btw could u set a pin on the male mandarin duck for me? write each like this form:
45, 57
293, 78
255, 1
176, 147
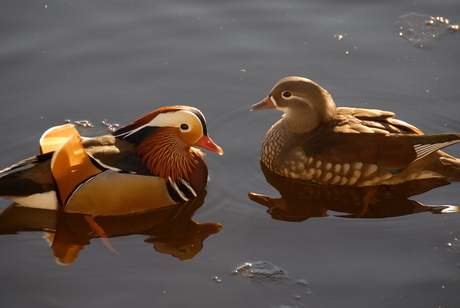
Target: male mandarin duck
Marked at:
150, 163
322, 143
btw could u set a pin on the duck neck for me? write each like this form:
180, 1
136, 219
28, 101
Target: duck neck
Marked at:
306, 114
299, 123
168, 157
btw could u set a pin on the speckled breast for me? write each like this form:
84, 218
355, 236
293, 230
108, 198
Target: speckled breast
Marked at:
285, 156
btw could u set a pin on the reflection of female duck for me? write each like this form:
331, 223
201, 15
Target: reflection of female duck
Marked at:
319, 142
171, 229
301, 199
151, 159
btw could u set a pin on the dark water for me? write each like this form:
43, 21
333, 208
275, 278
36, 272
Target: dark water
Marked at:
117, 60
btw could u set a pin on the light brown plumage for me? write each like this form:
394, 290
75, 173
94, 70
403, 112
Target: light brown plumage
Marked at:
317, 141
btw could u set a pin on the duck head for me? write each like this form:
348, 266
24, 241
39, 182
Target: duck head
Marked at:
305, 104
165, 138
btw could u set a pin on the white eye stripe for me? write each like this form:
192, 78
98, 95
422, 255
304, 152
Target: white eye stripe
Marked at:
186, 121
174, 119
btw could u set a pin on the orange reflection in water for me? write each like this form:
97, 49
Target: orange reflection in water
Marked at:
301, 200
170, 230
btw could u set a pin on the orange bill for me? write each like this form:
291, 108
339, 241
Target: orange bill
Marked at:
206, 143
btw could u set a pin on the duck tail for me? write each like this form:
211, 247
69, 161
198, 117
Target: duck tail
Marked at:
37, 179
31, 161
451, 168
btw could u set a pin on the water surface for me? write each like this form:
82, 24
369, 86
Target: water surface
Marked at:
117, 60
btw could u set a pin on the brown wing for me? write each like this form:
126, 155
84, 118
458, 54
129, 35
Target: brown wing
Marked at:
388, 151
377, 119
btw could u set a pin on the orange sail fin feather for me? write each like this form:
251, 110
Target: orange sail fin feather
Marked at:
71, 165
54, 137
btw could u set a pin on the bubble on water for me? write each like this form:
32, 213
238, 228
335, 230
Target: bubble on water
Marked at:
453, 246
86, 127
422, 30
110, 127
83, 123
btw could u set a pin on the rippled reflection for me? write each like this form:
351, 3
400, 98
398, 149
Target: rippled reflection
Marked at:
171, 230
301, 200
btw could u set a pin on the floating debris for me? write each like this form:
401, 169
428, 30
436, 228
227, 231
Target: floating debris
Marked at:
242, 269
421, 30
282, 289
261, 271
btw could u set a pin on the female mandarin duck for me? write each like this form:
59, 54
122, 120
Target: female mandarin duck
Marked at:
317, 141
148, 164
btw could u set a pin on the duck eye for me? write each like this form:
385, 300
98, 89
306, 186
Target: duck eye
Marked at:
287, 94
184, 126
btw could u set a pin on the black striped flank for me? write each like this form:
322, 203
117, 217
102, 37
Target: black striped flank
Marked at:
180, 192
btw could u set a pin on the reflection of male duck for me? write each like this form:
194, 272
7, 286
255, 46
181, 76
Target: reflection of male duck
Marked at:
301, 199
170, 229
152, 159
